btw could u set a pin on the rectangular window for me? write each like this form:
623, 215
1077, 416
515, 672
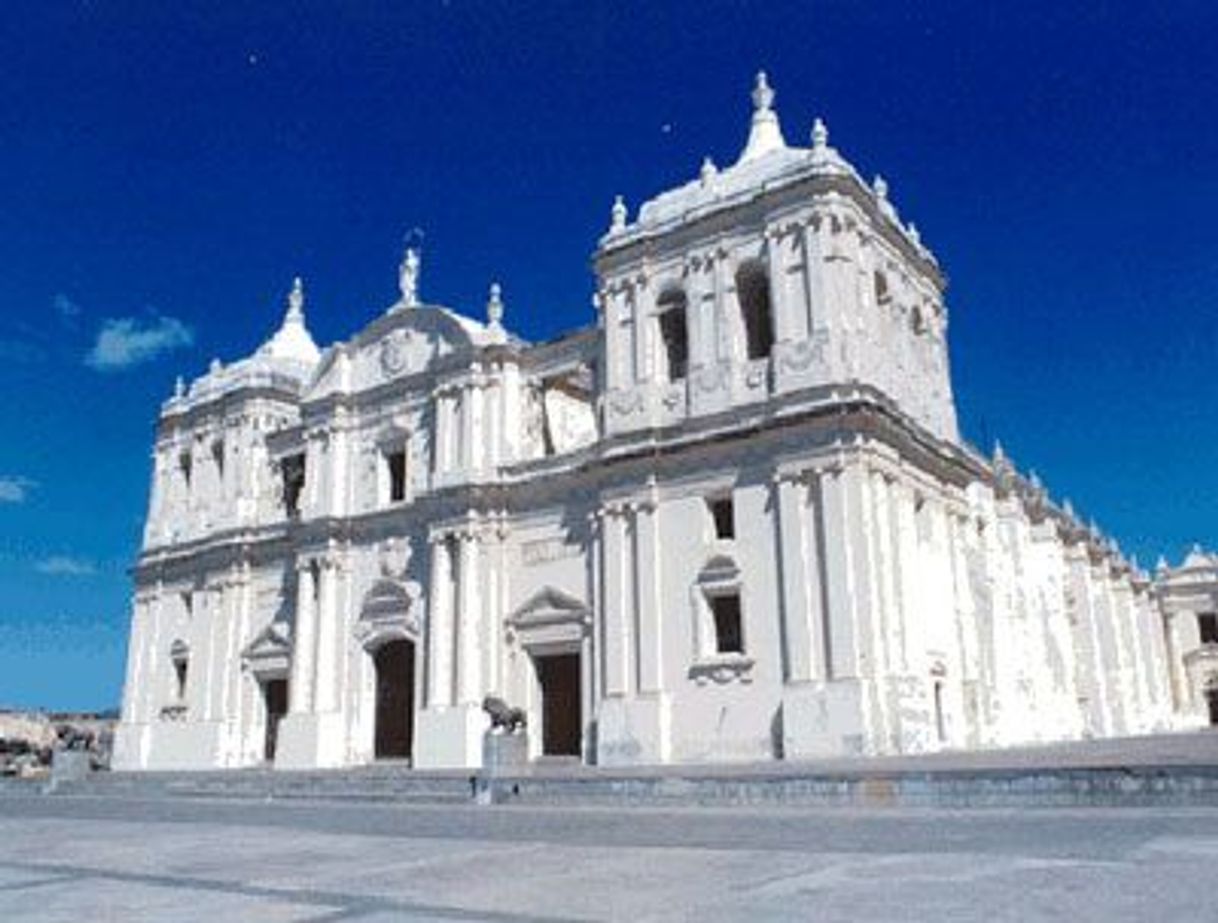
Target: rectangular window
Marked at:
293, 483
185, 466
396, 463
729, 637
217, 454
1207, 623
179, 670
724, 517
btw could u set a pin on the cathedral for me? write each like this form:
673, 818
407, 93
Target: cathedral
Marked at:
731, 519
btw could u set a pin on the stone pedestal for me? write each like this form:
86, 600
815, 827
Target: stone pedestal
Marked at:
69, 766
450, 737
310, 741
502, 750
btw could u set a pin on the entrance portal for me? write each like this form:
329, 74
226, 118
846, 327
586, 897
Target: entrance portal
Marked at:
1211, 699
275, 695
394, 699
561, 721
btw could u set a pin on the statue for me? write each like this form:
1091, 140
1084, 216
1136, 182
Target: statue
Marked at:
408, 277
503, 715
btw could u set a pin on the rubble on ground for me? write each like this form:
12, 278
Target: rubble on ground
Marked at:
28, 740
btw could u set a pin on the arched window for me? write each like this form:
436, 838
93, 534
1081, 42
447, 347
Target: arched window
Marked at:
753, 294
674, 335
179, 654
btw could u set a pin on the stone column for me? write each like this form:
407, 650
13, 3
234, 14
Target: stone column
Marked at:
776, 272
814, 274
469, 678
616, 640
800, 580
649, 655
694, 313
470, 398
440, 625
303, 639
644, 359
326, 658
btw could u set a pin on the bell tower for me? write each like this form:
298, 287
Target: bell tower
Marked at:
778, 277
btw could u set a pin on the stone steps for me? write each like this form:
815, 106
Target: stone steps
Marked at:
1177, 770
1140, 786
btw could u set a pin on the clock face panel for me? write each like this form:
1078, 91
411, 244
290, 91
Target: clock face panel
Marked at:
393, 354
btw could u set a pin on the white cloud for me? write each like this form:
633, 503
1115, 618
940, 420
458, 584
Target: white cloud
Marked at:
15, 489
65, 306
63, 566
126, 341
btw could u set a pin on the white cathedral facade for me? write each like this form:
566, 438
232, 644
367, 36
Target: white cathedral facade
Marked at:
732, 520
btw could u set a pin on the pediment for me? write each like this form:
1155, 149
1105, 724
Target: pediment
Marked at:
549, 606
549, 621
405, 342
273, 641
389, 613
720, 568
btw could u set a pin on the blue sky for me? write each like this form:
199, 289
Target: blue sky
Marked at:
165, 169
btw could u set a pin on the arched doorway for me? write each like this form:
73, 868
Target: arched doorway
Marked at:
394, 661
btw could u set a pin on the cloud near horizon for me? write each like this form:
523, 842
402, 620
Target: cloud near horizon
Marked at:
126, 341
60, 565
15, 489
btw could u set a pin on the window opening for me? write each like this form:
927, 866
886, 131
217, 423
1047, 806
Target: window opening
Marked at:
396, 462
729, 638
724, 517
293, 483
753, 293
1207, 624
674, 335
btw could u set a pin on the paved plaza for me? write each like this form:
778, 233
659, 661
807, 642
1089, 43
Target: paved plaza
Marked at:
86, 858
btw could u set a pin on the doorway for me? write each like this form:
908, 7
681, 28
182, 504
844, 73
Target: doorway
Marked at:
275, 697
394, 663
1211, 700
561, 720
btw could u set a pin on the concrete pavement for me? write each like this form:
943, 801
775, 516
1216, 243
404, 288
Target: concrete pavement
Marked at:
70, 858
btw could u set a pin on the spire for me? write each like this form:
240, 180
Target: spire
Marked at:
494, 315
820, 135
292, 339
295, 313
494, 307
765, 135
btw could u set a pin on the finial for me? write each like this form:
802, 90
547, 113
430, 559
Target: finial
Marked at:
765, 134
179, 387
214, 366
618, 216
1068, 507
763, 96
296, 301
880, 187
914, 234
999, 455
408, 277
820, 135
1034, 479
708, 172
1161, 565
494, 305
